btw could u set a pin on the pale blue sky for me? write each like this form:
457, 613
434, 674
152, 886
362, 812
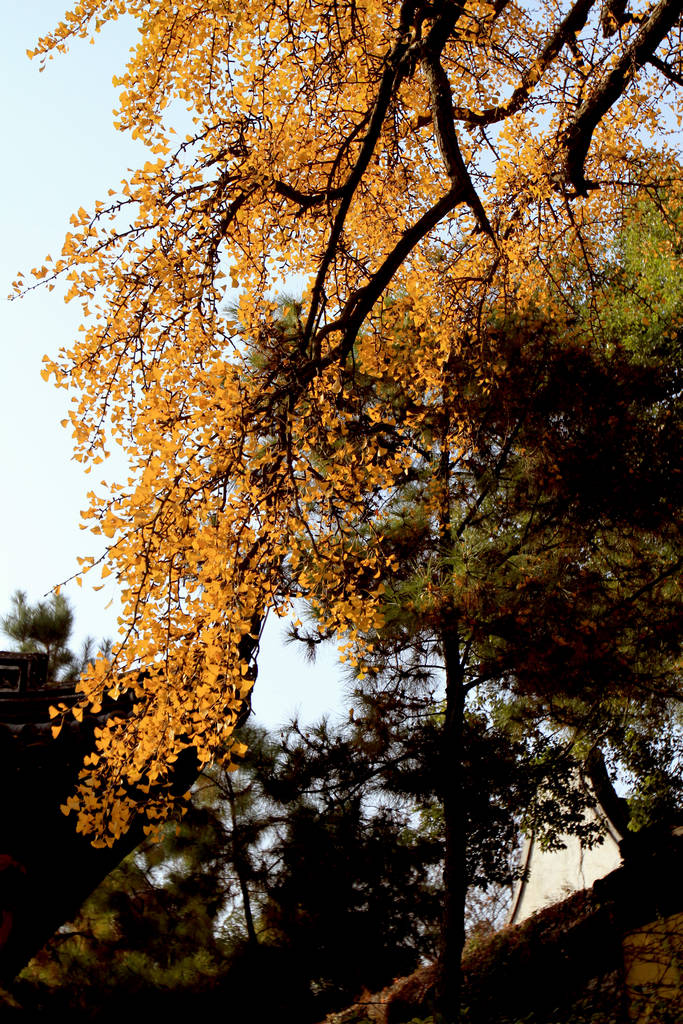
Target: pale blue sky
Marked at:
61, 152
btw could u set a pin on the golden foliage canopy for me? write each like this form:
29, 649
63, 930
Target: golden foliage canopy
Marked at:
438, 157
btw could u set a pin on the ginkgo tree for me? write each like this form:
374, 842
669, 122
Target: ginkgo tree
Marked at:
451, 154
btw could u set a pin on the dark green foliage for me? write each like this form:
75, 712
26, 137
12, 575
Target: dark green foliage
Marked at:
536, 550
559, 567
45, 626
299, 866
356, 894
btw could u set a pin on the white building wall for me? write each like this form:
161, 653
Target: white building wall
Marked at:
551, 876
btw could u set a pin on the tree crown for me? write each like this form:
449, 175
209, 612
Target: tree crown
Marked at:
420, 166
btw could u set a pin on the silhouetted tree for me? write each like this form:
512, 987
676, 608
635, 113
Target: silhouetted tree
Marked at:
47, 626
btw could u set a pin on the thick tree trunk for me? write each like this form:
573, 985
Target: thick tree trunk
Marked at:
448, 993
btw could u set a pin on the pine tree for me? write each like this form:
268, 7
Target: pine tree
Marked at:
47, 626
533, 566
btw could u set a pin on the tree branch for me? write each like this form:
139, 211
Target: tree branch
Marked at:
666, 70
564, 33
394, 70
305, 199
361, 302
443, 116
577, 137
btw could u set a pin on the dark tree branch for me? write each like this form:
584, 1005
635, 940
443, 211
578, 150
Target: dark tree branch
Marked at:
578, 136
443, 117
666, 70
614, 806
361, 302
565, 33
306, 200
394, 70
